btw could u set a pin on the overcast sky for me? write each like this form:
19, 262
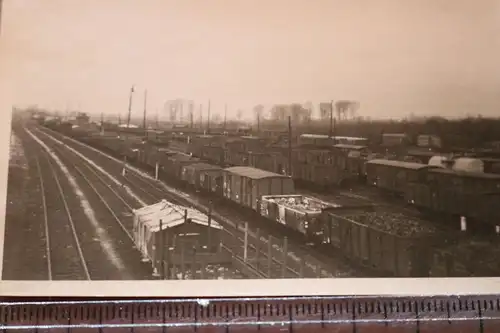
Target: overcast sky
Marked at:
395, 57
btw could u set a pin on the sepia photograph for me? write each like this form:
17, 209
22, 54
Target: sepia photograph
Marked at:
236, 140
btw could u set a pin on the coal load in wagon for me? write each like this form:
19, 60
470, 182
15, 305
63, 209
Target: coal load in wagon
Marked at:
295, 211
393, 243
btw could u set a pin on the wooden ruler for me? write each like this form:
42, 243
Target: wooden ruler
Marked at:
287, 314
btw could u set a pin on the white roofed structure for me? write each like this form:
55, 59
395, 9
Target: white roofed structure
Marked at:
163, 215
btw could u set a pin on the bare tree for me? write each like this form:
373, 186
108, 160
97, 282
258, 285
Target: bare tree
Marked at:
298, 113
346, 109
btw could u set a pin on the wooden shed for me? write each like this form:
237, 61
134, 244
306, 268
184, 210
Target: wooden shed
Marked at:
247, 185
161, 227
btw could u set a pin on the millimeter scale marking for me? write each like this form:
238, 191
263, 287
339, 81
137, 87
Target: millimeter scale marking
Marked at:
292, 314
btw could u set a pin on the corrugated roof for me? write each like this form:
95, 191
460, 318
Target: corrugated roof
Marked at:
253, 173
171, 215
400, 164
203, 166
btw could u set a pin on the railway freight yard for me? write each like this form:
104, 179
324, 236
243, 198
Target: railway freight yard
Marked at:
95, 204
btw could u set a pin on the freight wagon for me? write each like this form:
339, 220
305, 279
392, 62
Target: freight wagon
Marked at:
429, 141
466, 257
266, 161
295, 211
203, 176
247, 185
171, 166
161, 227
389, 242
321, 176
317, 140
394, 139
393, 176
457, 194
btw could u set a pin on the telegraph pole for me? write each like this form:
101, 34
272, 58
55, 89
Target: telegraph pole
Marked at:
130, 105
258, 123
191, 114
331, 119
225, 116
1, 5
144, 115
201, 116
290, 145
102, 121
208, 120
181, 111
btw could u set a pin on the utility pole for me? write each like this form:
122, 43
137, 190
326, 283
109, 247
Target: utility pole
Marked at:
331, 119
130, 106
208, 120
156, 119
1, 5
201, 116
225, 116
258, 123
290, 145
144, 115
181, 111
102, 121
191, 114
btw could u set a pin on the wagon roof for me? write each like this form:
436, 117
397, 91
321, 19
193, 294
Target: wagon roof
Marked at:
396, 135
346, 146
490, 159
470, 174
203, 166
253, 173
416, 152
400, 164
315, 136
171, 216
182, 157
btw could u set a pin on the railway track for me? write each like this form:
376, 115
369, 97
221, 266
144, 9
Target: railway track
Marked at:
298, 261
257, 245
65, 257
103, 251
118, 205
